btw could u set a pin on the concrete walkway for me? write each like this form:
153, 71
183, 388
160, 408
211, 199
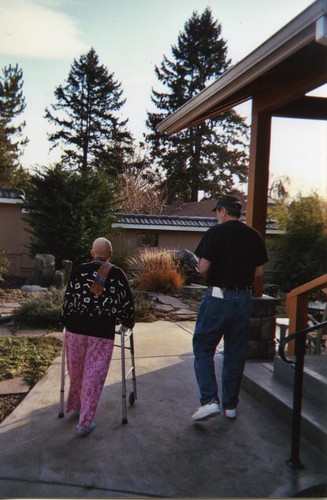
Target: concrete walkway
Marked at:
160, 452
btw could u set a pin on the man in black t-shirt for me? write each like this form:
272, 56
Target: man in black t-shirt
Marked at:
231, 255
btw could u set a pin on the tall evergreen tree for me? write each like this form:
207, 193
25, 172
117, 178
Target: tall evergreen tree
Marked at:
211, 156
12, 142
86, 117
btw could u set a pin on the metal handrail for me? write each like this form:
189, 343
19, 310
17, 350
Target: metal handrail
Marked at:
300, 338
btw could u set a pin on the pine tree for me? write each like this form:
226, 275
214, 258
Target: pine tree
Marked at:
210, 156
86, 117
12, 142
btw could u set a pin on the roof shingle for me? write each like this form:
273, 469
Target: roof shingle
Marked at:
174, 222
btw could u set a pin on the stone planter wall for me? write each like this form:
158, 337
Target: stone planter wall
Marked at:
262, 328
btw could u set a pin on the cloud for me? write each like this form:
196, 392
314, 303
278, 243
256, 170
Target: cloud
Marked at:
31, 29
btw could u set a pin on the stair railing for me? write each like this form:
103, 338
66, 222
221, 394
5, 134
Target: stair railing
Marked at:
298, 363
297, 304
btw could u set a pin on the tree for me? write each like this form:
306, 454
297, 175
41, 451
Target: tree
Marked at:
6, 164
86, 117
278, 188
139, 191
12, 142
301, 253
67, 211
211, 156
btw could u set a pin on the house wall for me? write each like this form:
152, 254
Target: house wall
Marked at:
126, 242
180, 239
14, 239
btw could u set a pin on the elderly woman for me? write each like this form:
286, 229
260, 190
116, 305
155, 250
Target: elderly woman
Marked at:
97, 298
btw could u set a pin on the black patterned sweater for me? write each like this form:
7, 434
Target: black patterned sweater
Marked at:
97, 315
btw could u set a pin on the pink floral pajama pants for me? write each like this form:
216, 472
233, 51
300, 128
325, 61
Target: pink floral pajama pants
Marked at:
88, 360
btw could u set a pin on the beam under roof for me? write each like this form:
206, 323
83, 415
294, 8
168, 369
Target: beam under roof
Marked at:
310, 108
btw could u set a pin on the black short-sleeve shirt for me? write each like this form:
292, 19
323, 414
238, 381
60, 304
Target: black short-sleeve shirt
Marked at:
234, 250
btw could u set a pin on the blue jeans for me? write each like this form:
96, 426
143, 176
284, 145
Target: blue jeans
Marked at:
227, 317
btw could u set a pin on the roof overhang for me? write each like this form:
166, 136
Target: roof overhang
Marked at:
143, 222
137, 227
303, 38
155, 227
11, 201
11, 196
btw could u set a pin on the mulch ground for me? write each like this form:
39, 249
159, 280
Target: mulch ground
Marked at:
8, 403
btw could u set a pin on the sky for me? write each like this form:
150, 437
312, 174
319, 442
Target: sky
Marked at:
131, 37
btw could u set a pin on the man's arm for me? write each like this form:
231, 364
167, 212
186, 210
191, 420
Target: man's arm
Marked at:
259, 271
204, 266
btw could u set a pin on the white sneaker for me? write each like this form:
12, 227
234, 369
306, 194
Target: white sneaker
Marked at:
206, 411
230, 413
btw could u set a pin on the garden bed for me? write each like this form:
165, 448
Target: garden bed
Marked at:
27, 357
8, 403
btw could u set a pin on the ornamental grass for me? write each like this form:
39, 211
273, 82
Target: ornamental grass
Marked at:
152, 259
158, 271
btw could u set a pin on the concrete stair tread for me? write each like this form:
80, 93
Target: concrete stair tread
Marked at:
259, 380
314, 379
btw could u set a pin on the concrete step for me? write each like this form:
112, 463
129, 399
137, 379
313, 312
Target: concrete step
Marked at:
314, 377
277, 395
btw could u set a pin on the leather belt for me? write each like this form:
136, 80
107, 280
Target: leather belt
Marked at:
236, 288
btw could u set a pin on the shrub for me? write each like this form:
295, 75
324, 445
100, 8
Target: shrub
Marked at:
67, 211
143, 307
151, 259
27, 356
120, 256
3, 264
301, 252
158, 271
164, 281
43, 309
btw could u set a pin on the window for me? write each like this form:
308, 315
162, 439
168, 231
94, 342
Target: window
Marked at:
147, 239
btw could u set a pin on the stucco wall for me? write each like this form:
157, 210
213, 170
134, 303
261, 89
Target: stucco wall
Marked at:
125, 241
14, 239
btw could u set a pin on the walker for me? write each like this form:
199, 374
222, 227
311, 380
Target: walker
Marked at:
126, 343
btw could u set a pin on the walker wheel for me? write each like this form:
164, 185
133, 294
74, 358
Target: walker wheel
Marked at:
131, 398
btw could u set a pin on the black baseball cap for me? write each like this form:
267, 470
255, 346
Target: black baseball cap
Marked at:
228, 201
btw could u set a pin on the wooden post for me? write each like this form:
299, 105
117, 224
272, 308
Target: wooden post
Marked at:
256, 209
